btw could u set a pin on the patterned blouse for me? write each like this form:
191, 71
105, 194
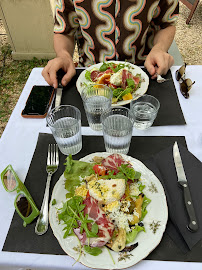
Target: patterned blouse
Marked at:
114, 29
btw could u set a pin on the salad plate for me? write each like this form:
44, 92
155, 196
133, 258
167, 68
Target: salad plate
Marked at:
135, 72
154, 222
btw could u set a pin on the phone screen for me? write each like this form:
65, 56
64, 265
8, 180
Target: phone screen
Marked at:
38, 101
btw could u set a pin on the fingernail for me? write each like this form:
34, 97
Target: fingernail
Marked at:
54, 85
64, 82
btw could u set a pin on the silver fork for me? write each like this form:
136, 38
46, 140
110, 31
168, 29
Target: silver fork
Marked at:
52, 166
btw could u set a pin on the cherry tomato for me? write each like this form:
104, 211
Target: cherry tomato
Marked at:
99, 169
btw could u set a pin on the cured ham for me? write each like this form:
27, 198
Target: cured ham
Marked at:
105, 226
95, 74
128, 75
113, 161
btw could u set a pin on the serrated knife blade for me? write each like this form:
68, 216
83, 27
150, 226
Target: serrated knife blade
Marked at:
182, 180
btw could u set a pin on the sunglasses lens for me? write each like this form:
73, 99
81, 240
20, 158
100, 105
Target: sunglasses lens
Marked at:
180, 72
23, 205
189, 83
9, 180
184, 89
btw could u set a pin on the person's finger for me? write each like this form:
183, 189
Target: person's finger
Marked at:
46, 76
155, 75
161, 70
162, 66
165, 64
53, 77
150, 67
68, 76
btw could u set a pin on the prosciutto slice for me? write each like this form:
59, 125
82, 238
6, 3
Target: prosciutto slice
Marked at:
113, 161
128, 75
95, 74
105, 226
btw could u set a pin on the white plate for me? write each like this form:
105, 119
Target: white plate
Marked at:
154, 222
135, 70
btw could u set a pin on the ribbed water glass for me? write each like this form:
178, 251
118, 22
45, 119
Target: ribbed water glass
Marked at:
97, 98
117, 129
65, 124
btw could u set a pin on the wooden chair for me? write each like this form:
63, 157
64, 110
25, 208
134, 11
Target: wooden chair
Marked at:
192, 5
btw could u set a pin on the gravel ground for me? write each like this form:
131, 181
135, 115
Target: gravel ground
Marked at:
188, 39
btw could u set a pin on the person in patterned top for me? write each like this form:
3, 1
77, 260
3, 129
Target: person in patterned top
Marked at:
138, 31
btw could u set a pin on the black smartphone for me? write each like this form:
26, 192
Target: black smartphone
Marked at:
38, 101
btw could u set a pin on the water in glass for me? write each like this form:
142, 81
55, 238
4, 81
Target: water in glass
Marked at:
94, 107
117, 133
68, 135
144, 115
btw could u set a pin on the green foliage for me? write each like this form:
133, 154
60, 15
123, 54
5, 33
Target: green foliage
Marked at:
130, 236
73, 171
146, 201
87, 75
6, 50
71, 212
94, 251
125, 172
13, 76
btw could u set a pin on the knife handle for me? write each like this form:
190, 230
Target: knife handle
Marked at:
193, 225
60, 74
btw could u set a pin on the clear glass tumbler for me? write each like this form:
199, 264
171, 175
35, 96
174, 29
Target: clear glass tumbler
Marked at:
144, 110
65, 124
117, 129
97, 98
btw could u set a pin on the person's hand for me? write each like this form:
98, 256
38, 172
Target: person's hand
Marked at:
63, 61
158, 62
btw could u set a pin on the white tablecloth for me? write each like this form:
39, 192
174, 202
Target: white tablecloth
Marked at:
17, 146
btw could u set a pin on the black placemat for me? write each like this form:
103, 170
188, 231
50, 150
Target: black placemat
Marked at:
20, 239
170, 112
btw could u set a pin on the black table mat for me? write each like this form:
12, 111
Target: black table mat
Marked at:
20, 239
170, 112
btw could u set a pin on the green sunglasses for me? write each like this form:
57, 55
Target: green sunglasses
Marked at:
23, 203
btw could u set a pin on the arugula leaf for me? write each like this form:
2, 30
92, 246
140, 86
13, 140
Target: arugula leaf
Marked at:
71, 212
117, 91
120, 66
126, 91
94, 228
104, 67
126, 173
140, 186
111, 175
54, 202
129, 172
94, 251
88, 75
130, 83
68, 163
146, 201
130, 236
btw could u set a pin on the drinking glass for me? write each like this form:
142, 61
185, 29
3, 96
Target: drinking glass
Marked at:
65, 124
97, 98
144, 110
117, 129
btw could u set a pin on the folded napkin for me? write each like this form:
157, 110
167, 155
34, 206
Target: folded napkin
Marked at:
162, 164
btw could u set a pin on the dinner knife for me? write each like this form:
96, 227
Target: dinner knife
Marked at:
182, 180
60, 74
